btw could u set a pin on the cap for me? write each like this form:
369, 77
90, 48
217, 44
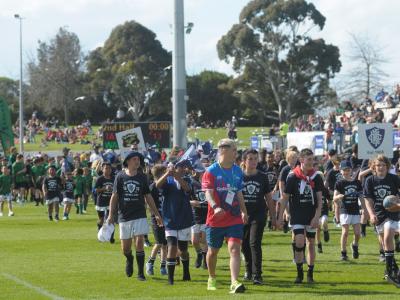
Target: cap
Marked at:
133, 154
226, 142
345, 164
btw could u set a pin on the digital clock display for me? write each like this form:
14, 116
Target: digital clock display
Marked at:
154, 133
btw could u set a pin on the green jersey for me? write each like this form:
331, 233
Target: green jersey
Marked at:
88, 183
16, 168
5, 184
79, 185
38, 171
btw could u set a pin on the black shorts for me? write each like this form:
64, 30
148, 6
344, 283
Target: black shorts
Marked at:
21, 185
159, 234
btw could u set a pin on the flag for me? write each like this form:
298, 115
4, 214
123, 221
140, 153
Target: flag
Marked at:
190, 158
379, 97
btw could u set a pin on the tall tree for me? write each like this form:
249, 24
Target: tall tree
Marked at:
210, 93
56, 75
131, 70
279, 64
366, 76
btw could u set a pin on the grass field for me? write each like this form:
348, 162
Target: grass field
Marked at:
244, 134
47, 260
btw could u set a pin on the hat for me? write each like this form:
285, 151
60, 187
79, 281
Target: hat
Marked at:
105, 232
133, 154
226, 142
345, 164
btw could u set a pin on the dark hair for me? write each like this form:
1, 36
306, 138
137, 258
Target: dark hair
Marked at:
332, 152
306, 152
247, 152
19, 156
79, 171
106, 163
293, 148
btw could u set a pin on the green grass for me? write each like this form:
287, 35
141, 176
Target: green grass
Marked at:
66, 260
244, 134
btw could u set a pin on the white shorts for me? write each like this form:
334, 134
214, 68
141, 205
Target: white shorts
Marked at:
102, 208
68, 201
52, 200
6, 197
275, 196
346, 219
198, 228
307, 228
323, 219
390, 224
181, 235
130, 229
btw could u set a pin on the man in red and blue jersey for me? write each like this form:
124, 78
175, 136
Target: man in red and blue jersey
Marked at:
223, 183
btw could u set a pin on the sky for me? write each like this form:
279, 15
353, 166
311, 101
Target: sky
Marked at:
93, 20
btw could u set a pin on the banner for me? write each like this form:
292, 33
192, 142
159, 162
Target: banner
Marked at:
307, 139
396, 138
375, 139
254, 142
129, 137
319, 145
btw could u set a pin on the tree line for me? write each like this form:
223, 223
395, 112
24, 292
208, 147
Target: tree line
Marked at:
281, 71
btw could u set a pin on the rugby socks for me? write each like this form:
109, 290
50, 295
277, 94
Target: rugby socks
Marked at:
171, 262
310, 274
300, 273
389, 256
151, 260
140, 262
204, 253
199, 258
186, 273
363, 229
129, 264
163, 264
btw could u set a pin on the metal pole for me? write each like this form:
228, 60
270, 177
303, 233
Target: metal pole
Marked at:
179, 78
21, 108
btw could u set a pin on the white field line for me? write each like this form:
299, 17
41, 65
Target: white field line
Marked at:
32, 287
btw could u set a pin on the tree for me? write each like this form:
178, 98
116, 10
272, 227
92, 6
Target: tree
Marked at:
366, 75
131, 70
209, 93
278, 63
56, 75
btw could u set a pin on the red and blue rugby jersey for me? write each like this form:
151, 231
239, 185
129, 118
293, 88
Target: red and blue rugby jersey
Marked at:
220, 181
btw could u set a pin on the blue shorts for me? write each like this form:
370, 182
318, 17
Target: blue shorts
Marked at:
215, 235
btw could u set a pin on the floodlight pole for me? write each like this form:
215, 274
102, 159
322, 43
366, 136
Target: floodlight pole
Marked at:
179, 98
21, 108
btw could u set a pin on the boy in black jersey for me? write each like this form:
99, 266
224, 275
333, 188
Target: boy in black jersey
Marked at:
104, 186
323, 220
304, 192
332, 176
130, 192
347, 209
200, 208
377, 187
159, 232
51, 191
258, 200
68, 194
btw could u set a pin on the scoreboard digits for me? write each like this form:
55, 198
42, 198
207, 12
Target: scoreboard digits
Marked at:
153, 133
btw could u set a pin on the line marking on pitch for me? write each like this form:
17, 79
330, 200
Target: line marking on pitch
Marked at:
31, 286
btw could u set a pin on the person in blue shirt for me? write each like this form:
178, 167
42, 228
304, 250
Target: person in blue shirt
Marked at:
177, 216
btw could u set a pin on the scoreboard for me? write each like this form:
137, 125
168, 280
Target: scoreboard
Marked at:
158, 133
